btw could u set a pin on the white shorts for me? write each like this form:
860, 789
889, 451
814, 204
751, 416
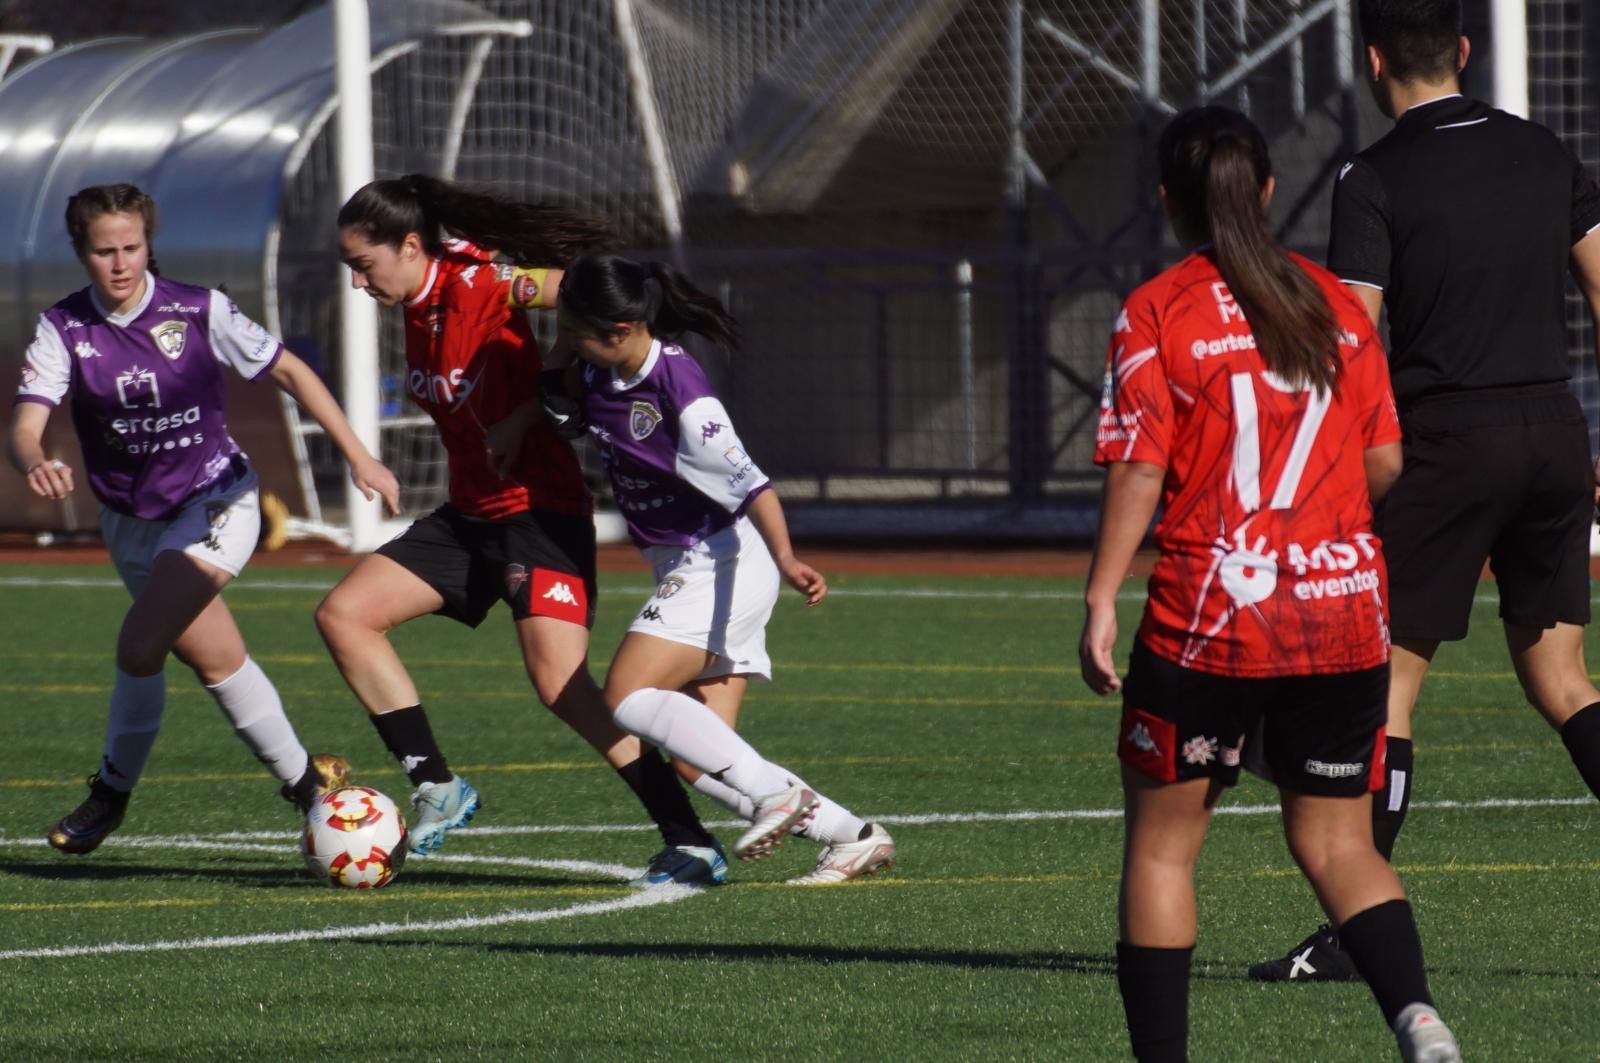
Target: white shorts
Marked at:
716, 595
219, 526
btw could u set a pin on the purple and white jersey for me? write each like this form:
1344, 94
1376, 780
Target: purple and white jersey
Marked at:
147, 389
678, 471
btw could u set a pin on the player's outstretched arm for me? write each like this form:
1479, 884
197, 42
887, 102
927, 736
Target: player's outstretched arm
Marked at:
1133, 488
766, 513
46, 478
305, 387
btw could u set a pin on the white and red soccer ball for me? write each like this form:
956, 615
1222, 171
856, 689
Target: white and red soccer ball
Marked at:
355, 838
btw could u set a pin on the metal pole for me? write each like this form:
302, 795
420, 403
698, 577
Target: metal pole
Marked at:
668, 198
1026, 379
964, 360
1240, 40
1508, 36
1297, 69
358, 315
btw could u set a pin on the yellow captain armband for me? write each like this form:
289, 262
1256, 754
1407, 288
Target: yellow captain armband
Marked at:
527, 287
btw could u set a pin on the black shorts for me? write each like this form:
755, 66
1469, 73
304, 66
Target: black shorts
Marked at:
1503, 477
539, 563
1319, 734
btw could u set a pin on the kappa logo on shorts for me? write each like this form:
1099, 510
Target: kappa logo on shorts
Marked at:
1149, 744
560, 592
650, 613
560, 595
1139, 738
669, 586
1335, 770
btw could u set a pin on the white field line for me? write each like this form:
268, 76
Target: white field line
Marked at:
642, 899
642, 588
239, 841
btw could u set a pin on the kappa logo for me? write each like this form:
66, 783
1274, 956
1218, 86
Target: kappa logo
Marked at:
650, 613
1200, 750
560, 592
709, 431
85, 349
642, 420
1334, 771
171, 336
1139, 736
467, 275
411, 763
1344, 170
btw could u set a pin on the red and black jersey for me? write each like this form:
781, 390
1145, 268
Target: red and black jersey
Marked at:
471, 359
1268, 564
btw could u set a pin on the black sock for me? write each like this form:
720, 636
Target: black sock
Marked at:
1390, 804
1384, 945
656, 785
409, 738
1155, 999
1581, 735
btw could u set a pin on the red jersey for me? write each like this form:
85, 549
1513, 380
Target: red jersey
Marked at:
1268, 562
471, 359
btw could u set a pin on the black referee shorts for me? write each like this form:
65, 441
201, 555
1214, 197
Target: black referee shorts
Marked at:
1501, 476
537, 562
1321, 735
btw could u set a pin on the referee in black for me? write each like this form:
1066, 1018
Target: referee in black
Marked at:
1463, 221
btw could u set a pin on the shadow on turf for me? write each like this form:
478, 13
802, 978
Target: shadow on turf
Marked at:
291, 875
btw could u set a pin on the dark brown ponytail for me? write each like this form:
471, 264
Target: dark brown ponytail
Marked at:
601, 289
530, 234
1214, 166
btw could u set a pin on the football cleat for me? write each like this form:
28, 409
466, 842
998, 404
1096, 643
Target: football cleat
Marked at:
689, 865
1318, 958
775, 816
324, 772
1423, 1037
85, 827
440, 807
843, 861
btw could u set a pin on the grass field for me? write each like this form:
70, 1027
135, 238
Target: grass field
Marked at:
949, 708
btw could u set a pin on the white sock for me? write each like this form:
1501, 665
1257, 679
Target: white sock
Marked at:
726, 796
831, 823
686, 729
136, 705
251, 703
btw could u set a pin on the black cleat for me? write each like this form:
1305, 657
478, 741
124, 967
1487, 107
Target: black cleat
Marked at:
85, 827
324, 772
1318, 958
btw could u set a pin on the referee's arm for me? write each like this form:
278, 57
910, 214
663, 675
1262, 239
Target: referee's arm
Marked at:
1358, 239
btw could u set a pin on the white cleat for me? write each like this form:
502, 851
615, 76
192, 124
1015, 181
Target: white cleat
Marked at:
1423, 1036
776, 815
843, 861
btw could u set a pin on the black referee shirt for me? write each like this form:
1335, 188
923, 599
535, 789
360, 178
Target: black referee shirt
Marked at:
1465, 216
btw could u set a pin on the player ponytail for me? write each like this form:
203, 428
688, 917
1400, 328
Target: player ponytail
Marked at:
601, 289
1214, 166
530, 234
87, 204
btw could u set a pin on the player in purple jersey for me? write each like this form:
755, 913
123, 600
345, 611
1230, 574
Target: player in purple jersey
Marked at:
707, 519
143, 358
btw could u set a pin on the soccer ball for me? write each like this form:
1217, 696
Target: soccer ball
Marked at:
355, 838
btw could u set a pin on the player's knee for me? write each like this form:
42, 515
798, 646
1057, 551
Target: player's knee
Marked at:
140, 653
338, 617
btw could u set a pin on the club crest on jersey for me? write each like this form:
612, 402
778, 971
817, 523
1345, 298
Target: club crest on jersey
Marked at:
170, 337
669, 586
642, 420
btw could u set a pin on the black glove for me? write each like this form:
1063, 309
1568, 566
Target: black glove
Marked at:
564, 412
